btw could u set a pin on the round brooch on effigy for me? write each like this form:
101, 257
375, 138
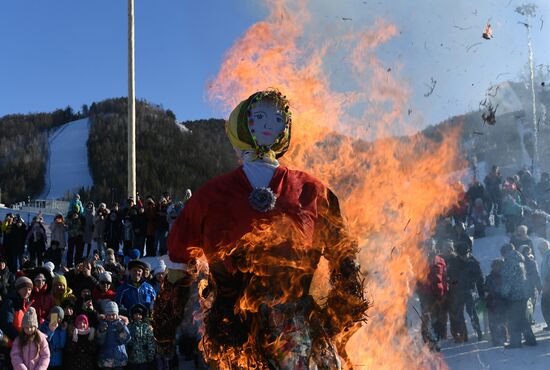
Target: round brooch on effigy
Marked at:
262, 199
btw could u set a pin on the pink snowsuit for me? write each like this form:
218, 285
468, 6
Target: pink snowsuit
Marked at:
24, 357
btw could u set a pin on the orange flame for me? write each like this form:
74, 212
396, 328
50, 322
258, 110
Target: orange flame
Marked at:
391, 189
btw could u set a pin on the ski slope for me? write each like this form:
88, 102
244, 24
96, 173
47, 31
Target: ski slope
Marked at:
67, 168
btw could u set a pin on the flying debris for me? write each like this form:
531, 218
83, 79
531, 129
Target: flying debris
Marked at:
388, 70
431, 86
478, 133
541, 23
489, 112
473, 45
488, 32
493, 90
346, 19
463, 28
542, 84
410, 110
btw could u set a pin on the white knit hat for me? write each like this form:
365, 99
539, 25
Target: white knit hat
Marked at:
50, 266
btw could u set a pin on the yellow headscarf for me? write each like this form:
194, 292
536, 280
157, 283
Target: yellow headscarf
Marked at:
239, 134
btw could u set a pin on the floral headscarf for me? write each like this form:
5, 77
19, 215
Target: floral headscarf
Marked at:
239, 134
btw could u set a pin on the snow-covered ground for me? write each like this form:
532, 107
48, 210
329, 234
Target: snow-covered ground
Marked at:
482, 355
67, 168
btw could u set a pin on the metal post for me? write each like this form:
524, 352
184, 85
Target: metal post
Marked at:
131, 105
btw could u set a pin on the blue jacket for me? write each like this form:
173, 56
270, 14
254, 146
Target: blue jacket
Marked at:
514, 286
128, 295
56, 340
112, 344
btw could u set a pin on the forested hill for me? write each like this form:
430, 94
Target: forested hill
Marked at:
170, 156
24, 151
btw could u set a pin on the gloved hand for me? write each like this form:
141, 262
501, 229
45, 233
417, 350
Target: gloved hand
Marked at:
102, 328
119, 325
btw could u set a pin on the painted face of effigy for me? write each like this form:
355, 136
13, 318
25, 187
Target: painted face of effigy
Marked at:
266, 122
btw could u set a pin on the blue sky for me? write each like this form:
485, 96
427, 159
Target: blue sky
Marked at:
66, 52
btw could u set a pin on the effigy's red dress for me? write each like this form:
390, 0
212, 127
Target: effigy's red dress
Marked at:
262, 264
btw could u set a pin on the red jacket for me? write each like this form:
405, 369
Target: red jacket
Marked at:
98, 294
219, 215
43, 302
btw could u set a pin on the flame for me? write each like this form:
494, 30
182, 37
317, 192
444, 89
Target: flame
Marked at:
390, 189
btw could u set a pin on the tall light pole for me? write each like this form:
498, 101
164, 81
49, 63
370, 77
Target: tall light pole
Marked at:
529, 10
131, 105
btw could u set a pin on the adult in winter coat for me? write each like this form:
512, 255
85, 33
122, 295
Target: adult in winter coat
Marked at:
512, 209
274, 223
161, 224
136, 289
496, 305
30, 349
6, 278
493, 185
14, 307
544, 249
128, 214
114, 228
521, 237
82, 278
56, 334
14, 243
431, 293
36, 240
151, 216
89, 215
75, 230
58, 239
515, 290
100, 227
476, 190
534, 284
80, 353
139, 226
464, 277
112, 335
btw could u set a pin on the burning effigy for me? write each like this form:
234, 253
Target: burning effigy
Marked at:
311, 235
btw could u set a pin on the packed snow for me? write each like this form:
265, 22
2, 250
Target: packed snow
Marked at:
67, 168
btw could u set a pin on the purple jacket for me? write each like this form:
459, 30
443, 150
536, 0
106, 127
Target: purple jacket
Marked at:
24, 358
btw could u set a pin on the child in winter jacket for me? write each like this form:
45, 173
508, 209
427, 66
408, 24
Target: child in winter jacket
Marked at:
30, 349
56, 333
81, 351
112, 336
141, 347
58, 239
